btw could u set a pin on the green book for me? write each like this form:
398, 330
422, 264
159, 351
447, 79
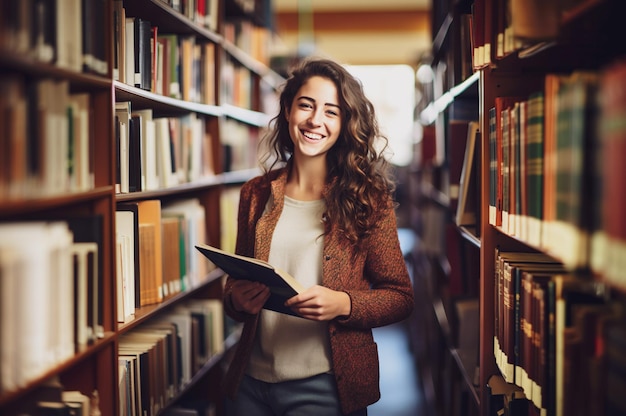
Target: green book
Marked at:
534, 166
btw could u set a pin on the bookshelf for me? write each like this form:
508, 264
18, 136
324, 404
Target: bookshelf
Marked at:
107, 152
545, 244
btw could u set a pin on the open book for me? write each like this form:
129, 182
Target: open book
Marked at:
281, 284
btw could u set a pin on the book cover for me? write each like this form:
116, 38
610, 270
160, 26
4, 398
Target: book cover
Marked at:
503, 156
493, 168
457, 141
467, 212
282, 285
534, 167
574, 132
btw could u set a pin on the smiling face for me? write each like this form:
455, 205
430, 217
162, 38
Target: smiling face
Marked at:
314, 118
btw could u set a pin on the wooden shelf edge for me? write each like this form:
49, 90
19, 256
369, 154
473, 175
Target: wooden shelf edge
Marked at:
429, 114
125, 92
237, 177
34, 204
251, 117
469, 234
143, 314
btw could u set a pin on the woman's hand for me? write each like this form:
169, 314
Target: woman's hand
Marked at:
320, 303
248, 296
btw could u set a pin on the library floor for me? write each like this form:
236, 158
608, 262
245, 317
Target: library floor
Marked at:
399, 383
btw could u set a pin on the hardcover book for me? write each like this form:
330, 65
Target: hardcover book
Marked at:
282, 285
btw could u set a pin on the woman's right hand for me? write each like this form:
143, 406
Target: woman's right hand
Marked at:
248, 296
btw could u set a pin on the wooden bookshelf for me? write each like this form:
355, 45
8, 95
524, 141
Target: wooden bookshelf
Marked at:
584, 258
62, 181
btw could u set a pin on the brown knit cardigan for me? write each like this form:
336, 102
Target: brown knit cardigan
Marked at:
375, 278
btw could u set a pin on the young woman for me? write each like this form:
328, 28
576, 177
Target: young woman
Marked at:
323, 212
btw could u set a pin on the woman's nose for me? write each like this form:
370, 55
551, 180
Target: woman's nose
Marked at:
315, 118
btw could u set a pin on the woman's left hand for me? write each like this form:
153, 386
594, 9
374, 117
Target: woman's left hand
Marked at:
320, 303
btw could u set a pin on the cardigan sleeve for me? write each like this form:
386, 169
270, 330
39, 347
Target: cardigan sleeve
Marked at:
387, 295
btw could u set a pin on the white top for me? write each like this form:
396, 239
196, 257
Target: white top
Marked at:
288, 347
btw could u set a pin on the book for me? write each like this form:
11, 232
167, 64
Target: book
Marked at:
535, 20
534, 167
575, 129
457, 140
467, 213
608, 228
282, 285
503, 158
194, 266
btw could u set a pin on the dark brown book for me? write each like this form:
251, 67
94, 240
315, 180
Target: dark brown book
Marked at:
282, 285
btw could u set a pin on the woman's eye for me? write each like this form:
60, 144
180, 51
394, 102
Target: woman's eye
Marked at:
305, 105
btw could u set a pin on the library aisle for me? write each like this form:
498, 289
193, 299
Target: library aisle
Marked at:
399, 383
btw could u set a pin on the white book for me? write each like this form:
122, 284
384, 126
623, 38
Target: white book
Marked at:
61, 286
123, 111
80, 178
125, 230
35, 349
120, 288
129, 56
163, 153
9, 328
69, 34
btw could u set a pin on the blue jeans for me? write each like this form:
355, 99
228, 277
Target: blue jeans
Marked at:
313, 396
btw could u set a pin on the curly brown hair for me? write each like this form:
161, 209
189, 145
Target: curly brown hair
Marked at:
359, 180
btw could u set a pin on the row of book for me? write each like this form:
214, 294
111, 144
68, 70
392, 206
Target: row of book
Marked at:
557, 336
54, 400
45, 138
252, 39
236, 84
172, 65
240, 144
555, 169
500, 28
155, 251
157, 360
202, 12
66, 33
160, 152
50, 288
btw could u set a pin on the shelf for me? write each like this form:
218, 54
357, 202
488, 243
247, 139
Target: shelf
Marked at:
268, 75
430, 113
35, 204
101, 265
160, 14
226, 178
253, 118
27, 65
469, 234
147, 312
239, 177
162, 105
